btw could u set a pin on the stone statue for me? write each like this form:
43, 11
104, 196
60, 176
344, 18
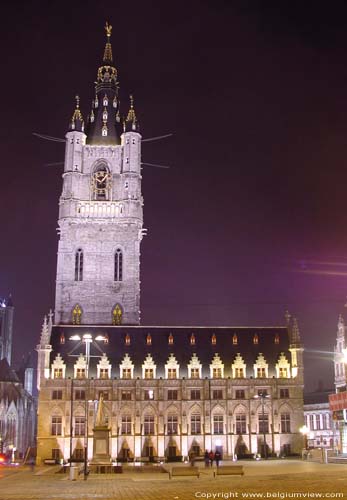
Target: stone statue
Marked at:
100, 420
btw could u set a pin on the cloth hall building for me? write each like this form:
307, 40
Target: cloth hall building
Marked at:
166, 391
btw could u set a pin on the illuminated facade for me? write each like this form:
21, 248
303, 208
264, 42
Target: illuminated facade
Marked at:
168, 391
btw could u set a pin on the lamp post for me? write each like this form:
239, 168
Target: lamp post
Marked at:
87, 340
263, 396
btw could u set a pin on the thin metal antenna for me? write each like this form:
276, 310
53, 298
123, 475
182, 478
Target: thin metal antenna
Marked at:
48, 137
154, 165
156, 138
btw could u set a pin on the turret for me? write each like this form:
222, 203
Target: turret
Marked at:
131, 141
44, 349
296, 349
340, 355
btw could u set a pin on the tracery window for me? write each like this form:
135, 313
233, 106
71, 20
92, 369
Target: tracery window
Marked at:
79, 265
117, 314
76, 315
195, 423
126, 424
285, 422
172, 424
240, 423
118, 265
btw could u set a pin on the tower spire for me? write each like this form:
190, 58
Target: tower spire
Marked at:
108, 47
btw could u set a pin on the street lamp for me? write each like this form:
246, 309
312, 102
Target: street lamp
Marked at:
87, 339
263, 396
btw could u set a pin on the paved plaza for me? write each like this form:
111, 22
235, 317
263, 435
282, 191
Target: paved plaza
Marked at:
272, 479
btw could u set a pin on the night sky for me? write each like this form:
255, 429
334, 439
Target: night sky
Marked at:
251, 217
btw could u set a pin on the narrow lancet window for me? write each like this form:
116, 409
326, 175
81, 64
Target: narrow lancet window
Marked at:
118, 265
79, 265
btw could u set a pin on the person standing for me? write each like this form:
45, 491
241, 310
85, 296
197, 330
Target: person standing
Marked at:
211, 457
217, 457
207, 459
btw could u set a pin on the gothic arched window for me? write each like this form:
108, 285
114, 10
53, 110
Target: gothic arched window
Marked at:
79, 265
101, 180
118, 265
117, 314
76, 315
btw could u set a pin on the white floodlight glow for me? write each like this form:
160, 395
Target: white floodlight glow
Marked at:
87, 337
99, 337
75, 337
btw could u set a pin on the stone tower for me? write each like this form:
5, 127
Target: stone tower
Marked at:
100, 211
339, 356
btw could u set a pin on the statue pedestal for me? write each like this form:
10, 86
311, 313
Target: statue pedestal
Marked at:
101, 446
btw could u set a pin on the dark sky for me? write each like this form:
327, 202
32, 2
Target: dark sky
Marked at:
255, 93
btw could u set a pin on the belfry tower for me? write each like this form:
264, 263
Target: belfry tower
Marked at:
100, 211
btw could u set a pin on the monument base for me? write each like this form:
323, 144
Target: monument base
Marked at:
101, 446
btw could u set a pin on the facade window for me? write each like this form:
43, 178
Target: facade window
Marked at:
117, 315
118, 265
104, 373
80, 373
217, 373
148, 427
105, 395
283, 372
261, 372
311, 426
263, 421
80, 395
58, 373
255, 339
172, 373
78, 454
149, 373
240, 394
285, 422
170, 339
149, 394
262, 393
172, 395
284, 393
239, 373
218, 424
80, 427
126, 395
326, 421
126, 373
217, 394
192, 339
56, 426
172, 424
213, 339
195, 394
240, 423
57, 394
79, 265
126, 424
195, 424
149, 339
318, 426
234, 339
194, 373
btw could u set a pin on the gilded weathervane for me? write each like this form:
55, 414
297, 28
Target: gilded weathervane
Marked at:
108, 29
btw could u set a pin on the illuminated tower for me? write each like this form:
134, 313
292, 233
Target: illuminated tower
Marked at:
100, 211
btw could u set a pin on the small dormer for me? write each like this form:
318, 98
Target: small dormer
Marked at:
103, 368
282, 367
149, 368
261, 368
194, 367
172, 368
58, 367
80, 368
238, 367
126, 367
216, 367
